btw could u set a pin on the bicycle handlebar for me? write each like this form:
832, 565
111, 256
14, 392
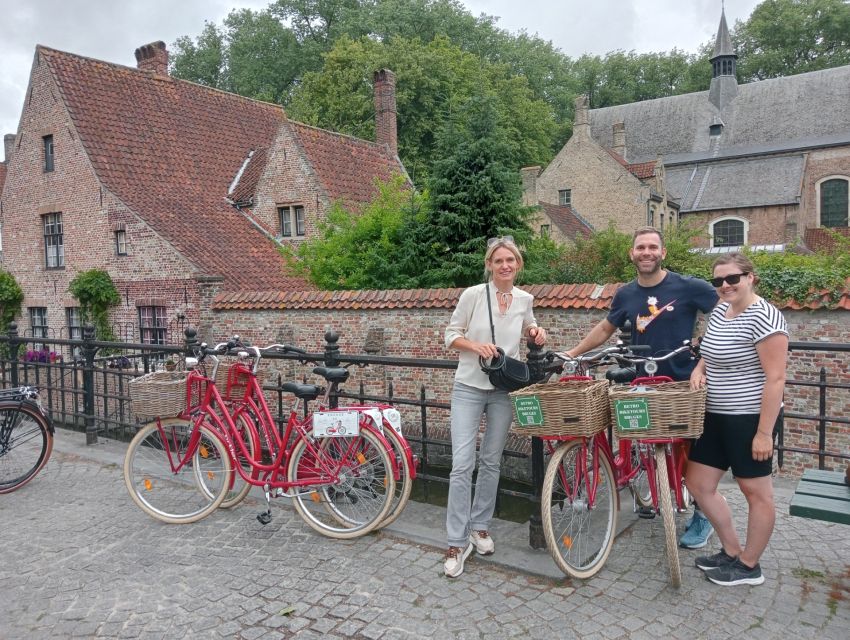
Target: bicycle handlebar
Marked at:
620, 354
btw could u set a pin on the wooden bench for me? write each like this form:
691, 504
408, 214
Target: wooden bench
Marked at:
822, 495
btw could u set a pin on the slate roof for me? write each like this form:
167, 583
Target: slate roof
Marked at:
747, 182
779, 111
568, 221
546, 296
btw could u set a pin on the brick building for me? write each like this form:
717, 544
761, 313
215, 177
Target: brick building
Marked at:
171, 187
765, 163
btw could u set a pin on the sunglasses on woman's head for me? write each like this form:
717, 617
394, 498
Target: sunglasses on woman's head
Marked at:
493, 241
732, 278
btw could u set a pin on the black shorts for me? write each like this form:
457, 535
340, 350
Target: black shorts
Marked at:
727, 441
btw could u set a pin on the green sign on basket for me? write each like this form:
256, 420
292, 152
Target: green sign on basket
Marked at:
632, 415
528, 411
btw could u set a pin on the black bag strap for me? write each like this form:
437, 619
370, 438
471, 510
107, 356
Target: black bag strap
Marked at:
490, 312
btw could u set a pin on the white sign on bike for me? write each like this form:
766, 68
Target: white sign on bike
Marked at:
632, 415
335, 424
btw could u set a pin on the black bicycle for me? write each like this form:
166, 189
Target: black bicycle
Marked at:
26, 437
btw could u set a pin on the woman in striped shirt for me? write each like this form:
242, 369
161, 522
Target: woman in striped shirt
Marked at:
743, 365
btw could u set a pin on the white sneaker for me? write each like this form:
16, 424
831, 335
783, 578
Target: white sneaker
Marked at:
455, 557
484, 544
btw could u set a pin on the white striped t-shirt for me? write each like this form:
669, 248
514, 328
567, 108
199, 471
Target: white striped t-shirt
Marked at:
735, 379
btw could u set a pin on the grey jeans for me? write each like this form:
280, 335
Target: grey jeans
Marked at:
468, 404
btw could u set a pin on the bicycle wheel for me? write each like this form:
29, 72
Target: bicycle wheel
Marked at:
666, 507
238, 488
161, 468
360, 497
639, 486
579, 535
404, 482
25, 444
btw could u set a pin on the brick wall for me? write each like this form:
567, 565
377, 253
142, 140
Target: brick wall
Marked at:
419, 333
774, 224
821, 164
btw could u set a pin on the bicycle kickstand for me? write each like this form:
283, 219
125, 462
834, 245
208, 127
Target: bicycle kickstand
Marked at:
266, 516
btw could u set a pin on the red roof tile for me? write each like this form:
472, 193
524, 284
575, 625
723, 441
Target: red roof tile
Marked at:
820, 239
640, 170
566, 220
346, 166
546, 296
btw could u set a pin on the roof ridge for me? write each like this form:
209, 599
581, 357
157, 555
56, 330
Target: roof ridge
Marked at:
377, 145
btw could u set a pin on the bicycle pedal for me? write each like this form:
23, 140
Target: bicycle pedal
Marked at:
264, 517
647, 513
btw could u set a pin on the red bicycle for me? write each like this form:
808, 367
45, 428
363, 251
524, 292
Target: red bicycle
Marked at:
181, 469
580, 495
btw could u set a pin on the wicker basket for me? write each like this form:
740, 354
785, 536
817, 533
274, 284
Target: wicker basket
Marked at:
238, 381
667, 410
570, 408
160, 394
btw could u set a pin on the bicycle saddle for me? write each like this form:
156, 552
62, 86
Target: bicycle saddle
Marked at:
332, 374
304, 391
621, 375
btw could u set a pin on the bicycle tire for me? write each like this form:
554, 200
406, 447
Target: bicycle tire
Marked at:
26, 442
666, 507
404, 483
361, 498
238, 488
579, 537
174, 496
639, 486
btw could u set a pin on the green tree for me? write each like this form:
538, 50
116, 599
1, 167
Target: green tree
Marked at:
474, 195
202, 60
363, 249
96, 292
785, 37
11, 298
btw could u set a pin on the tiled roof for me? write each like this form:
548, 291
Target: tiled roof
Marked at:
245, 183
169, 149
820, 239
566, 220
546, 296
346, 166
640, 170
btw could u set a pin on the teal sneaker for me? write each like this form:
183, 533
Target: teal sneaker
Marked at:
697, 532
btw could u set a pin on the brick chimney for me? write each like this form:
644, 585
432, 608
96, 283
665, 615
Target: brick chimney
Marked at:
153, 57
8, 146
619, 135
385, 110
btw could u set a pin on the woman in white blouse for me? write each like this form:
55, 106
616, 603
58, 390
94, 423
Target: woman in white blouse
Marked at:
469, 333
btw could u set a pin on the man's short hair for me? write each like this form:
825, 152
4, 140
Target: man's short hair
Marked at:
645, 231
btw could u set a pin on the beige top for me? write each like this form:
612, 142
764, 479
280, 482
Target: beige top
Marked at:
471, 321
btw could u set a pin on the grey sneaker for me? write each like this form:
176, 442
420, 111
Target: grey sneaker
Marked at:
484, 544
736, 572
455, 557
712, 562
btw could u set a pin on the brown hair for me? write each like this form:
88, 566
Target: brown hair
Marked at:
739, 260
645, 231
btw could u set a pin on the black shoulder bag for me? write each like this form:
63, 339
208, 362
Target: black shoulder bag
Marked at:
508, 374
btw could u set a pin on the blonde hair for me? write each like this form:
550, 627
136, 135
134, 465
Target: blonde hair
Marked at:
507, 244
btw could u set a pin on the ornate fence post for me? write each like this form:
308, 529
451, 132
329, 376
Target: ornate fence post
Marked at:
191, 341
89, 351
536, 538
14, 347
331, 349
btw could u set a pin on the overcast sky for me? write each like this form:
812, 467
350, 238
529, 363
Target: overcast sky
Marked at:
112, 29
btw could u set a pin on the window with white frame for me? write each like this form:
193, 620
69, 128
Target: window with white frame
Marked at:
38, 324
121, 242
54, 247
565, 197
729, 232
152, 325
292, 221
47, 142
75, 329
833, 204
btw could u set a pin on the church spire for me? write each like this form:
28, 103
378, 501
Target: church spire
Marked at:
724, 58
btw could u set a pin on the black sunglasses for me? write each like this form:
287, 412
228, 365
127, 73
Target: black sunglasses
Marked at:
732, 278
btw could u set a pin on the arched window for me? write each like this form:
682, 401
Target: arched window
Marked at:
728, 232
832, 202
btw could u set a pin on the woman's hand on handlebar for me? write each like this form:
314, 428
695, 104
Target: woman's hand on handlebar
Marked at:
538, 334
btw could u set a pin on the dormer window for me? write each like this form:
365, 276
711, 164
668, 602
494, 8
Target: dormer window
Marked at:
292, 222
48, 153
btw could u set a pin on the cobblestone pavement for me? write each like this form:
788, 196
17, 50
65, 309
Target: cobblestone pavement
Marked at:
80, 560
